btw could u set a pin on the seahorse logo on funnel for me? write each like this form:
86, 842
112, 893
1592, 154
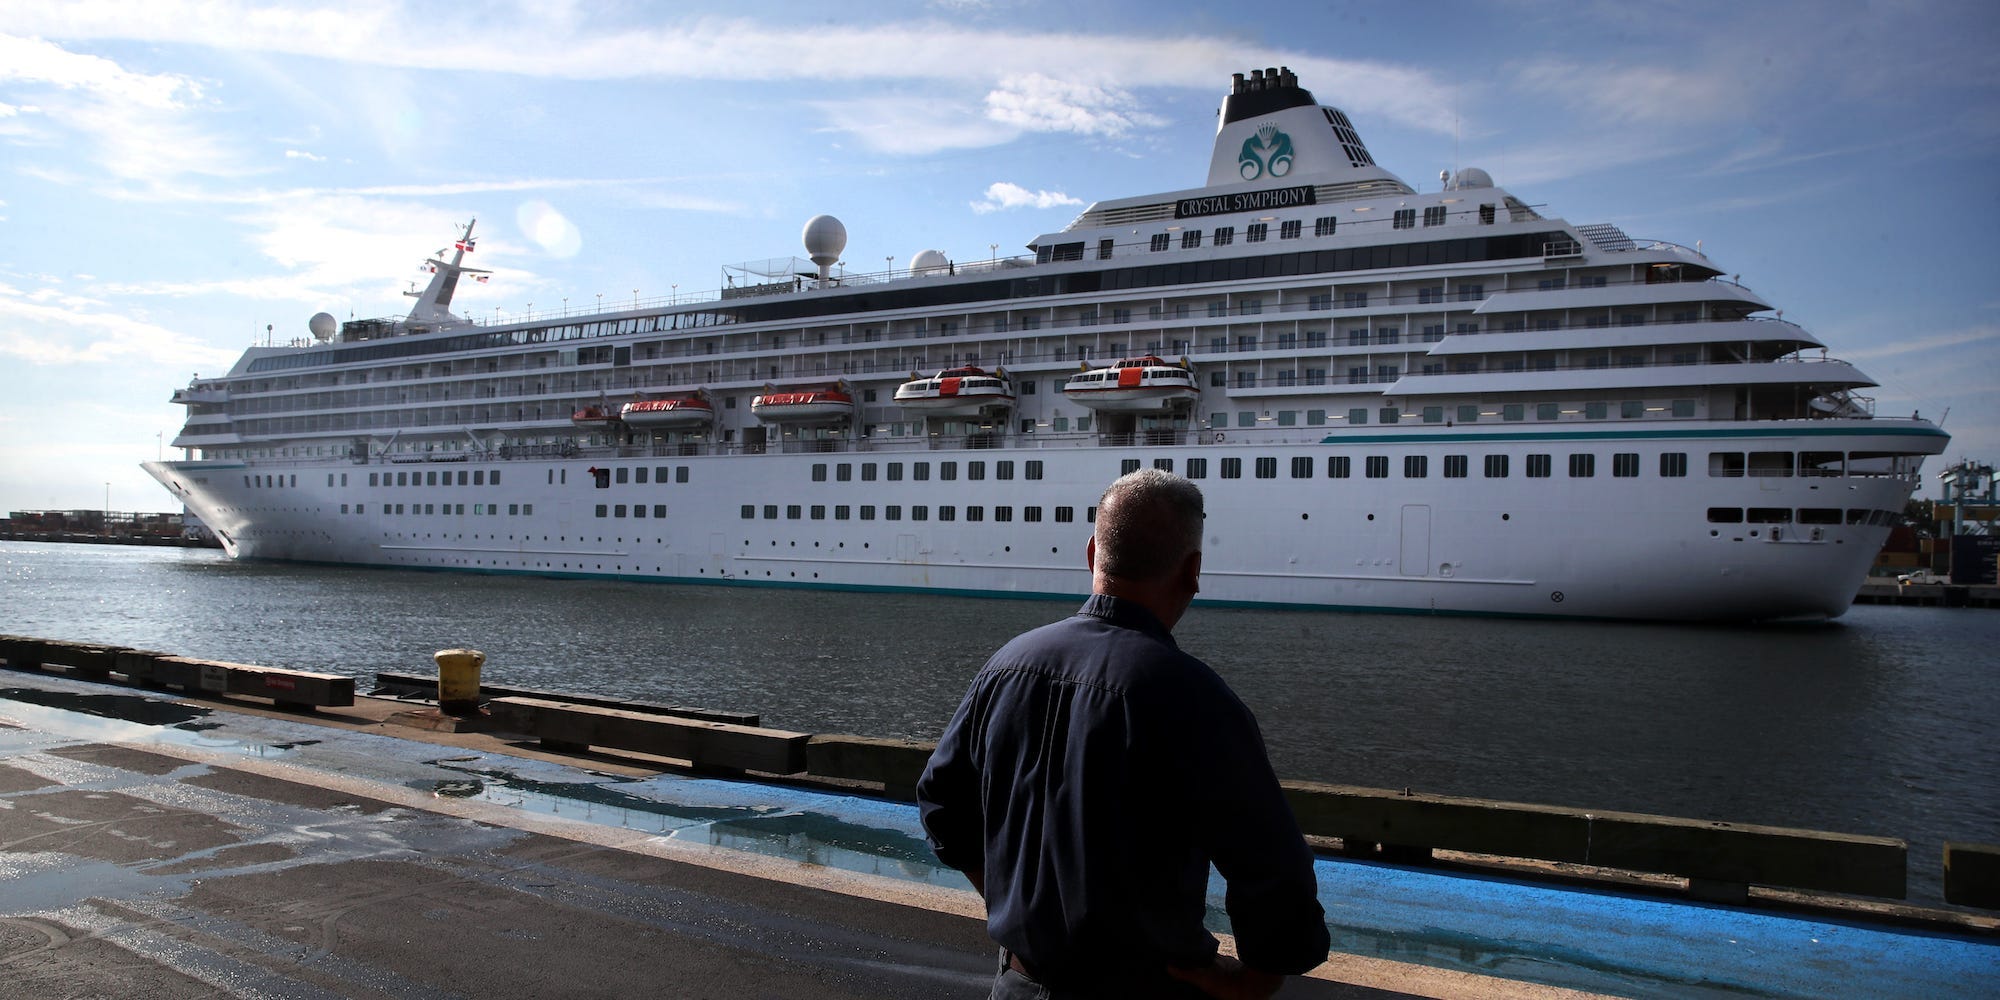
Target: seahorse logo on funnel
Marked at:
1267, 152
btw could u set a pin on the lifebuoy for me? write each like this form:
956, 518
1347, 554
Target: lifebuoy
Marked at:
1218, 437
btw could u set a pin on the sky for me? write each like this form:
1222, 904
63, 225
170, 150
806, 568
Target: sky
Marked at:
181, 180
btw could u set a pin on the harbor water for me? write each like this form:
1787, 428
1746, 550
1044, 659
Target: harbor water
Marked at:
1882, 722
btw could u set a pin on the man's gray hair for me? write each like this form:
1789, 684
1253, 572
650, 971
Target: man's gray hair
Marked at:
1148, 522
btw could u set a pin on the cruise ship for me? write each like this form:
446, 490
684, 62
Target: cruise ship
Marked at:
1394, 399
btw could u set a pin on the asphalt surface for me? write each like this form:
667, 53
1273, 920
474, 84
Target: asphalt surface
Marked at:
170, 870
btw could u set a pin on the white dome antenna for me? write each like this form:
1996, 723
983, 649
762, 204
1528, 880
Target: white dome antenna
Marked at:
322, 326
824, 238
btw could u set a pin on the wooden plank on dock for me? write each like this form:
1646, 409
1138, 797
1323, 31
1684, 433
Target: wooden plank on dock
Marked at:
563, 725
1972, 874
1699, 850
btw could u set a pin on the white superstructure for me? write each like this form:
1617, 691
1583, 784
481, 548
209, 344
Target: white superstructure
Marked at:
1399, 400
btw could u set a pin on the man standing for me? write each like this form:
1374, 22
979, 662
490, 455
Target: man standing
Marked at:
1094, 771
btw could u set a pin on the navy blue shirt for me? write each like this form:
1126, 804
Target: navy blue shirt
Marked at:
1093, 771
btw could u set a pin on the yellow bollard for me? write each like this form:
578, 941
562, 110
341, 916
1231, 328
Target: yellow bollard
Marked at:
458, 680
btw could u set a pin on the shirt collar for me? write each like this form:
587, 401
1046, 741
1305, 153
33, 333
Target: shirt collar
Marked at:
1127, 614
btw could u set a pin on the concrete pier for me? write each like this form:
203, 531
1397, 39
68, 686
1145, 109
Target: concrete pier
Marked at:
198, 845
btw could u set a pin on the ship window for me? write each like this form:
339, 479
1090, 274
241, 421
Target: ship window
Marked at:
794, 511
372, 475
1232, 468
770, 511
1625, 465
1631, 409
1246, 418
1486, 215
1468, 413
1539, 466
1315, 418
638, 509
919, 512
1548, 411
868, 472
527, 510
1059, 424
343, 508
1255, 232
461, 478
947, 471
402, 479
479, 478
1357, 416
920, 471
1771, 464
1768, 515
1034, 468
840, 512
1104, 248
1819, 515
1725, 464
749, 511
1339, 467
1673, 464
1455, 466
819, 472
1513, 411
681, 474
1725, 515
1378, 466
1434, 215
974, 512
868, 512
1302, 467
1406, 218
1003, 513
819, 512
1821, 463
1416, 466
1594, 411
975, 470
602, 478
1267, 467
1128, 466
895, 472
844, 472
1003, 469
1225, 235
1090, 514
624, 474
893, 512
1683, 407
1197, 468
1191, 239
1582, 466
1322, 226
1161, 241
1390, 414
1433, 414
433, 476
602, 510
1031, 514
1496, 466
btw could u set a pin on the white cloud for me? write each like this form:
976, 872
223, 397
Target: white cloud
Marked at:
138, 125
1002, 195
1636, 94
1036, 103
914, 125
1954, 339
300, 154
48, 327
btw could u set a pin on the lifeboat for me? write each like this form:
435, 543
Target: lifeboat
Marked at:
819, 405
1134, 385
668, 414
595, 418
957, 392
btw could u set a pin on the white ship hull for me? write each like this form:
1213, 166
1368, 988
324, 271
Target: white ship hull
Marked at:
1639, 548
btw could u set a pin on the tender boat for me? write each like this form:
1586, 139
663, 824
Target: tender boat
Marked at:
1134, 385
821, 405
676, 413
957, 392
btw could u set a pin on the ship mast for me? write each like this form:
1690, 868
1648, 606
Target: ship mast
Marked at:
434, 302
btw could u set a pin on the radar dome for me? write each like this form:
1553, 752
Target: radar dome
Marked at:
929, 262
1473, 177
322, 326
825, 238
